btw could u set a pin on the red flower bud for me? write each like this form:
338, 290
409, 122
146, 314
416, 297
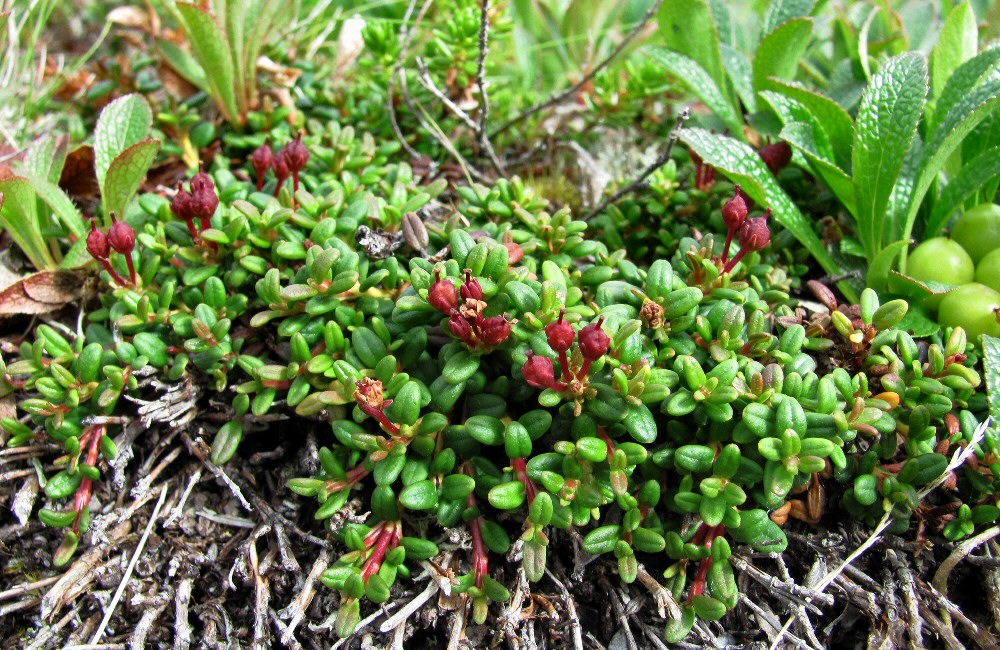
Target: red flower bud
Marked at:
594, 343
296, 155
97, 243
735, 211
202, 182
776, 156
121, 237
443, 295
262, 159
495, 330
539, 371
204, 203
471, 289
461, 328
560, 334
755, 234
281, 170
181, 205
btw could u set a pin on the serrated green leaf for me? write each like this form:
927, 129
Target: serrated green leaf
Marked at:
739, 69
971, 178
803, 136
46, 157
781, 11
19, 217
741, 164
183, 63
698, 81
126, 174
123, 123
884, 131
212, 50
991, 352
60, 204
688, 27
780, 52
835, 120
956, 45
978, 97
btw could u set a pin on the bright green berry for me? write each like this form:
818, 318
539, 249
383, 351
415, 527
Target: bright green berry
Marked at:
978, 230
940, 260
988, 270
972, 307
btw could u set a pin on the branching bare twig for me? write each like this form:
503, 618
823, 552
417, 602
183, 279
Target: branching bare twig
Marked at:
572, 90
660, 161
484, 99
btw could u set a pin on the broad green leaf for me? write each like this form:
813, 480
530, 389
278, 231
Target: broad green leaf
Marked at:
60, 204
688, 72
878, 272
211, 48
972, 177
740, 72
235, 18
183, 63
728, 32
835, 120
966, 77
803, 136
957, 118
991, 352
780, 52
45, 158
791, 112
904, 192
956, 45
886, 125
688, 27
741, 164
126, 174
122, 123
19, 216
781, 11
271, 16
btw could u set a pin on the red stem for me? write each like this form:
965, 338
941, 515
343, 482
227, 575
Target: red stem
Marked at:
564, 364
520, 466
86, 489
131, 268
114, 274
729, 241
388, 539
480, 560
736, 260
192, 229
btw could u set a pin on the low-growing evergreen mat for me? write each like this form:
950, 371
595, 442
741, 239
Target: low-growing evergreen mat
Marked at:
385, 396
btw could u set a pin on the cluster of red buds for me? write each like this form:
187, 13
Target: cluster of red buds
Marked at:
121, 239
592, 342
200, 203
754, 232
290, 161
466, 308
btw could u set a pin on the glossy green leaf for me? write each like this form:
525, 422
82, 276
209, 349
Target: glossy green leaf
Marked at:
126, 174
884, 131
780, 52
688, 27
957, 43
697, 80
123, 123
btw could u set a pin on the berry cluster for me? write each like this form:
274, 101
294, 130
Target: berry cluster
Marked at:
290, 161
466, 309
200, 203
593, 344
121, 239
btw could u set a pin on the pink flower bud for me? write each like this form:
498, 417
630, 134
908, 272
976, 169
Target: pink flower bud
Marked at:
776, 156
202, 182
755, 234
735, 211
281, 170
461, 328
97, 243
121, 237
181, 205
539, 371
443, 295
296, 155
560, 334
594, 343
471, 289
262, 159
495, 330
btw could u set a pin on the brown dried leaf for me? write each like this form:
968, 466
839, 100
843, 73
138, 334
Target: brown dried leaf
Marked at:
40, 293
127, 16
79, 179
